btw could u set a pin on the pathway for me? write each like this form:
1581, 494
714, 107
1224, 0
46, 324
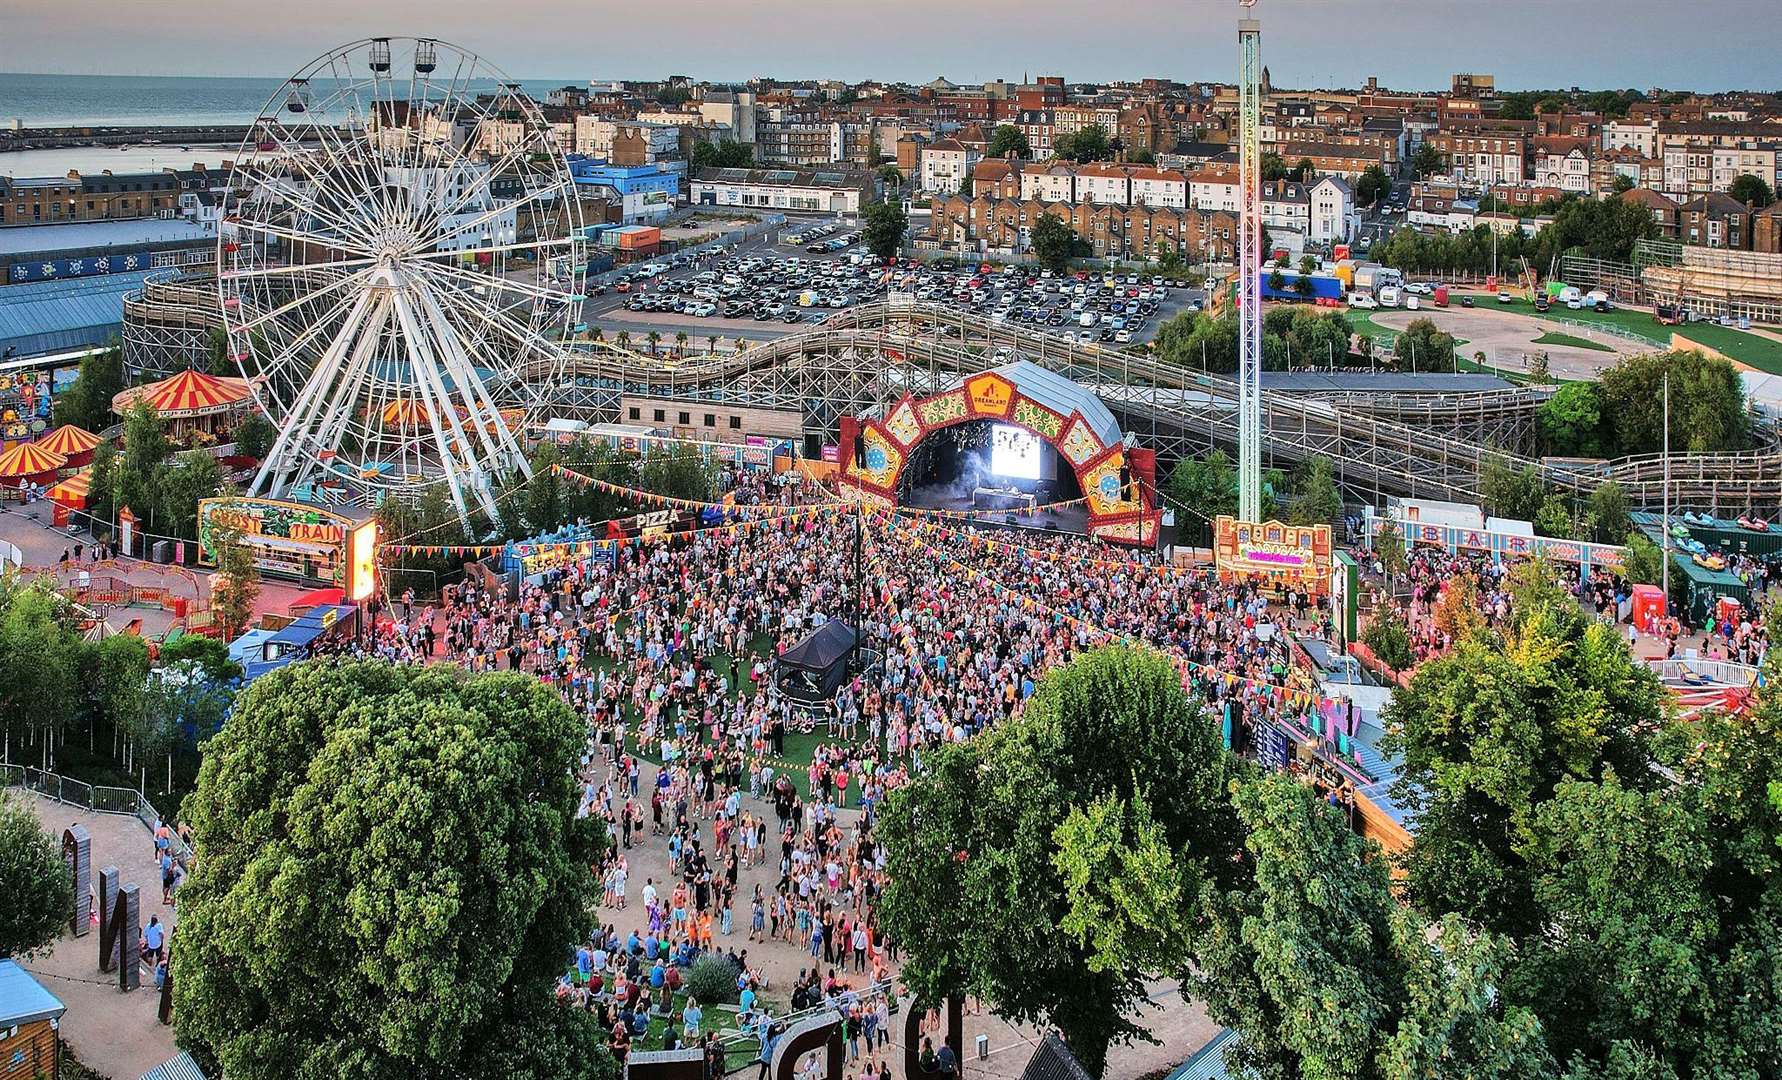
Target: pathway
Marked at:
114, 1033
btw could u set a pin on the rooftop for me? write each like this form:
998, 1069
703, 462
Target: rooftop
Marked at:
23, 999
80, 235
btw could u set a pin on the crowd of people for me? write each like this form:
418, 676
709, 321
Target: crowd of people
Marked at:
665, 649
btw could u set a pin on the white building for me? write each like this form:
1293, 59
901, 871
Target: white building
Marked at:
1332, 211
825, 191
1106, 185
1159, 187
1055, 184
1214, 189
945, 165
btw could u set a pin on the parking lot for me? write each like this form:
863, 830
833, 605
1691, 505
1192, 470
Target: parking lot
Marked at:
766, 289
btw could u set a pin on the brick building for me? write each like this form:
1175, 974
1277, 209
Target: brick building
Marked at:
78, 197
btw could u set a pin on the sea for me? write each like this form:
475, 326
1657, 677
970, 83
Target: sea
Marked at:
138, 101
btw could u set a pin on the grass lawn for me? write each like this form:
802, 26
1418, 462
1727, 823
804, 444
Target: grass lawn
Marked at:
1762, 353
1554, 337
1635, 324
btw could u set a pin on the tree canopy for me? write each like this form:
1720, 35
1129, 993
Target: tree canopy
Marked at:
38, 897
1073, 833
1008, 141
883, 226
1089, 143
402, 844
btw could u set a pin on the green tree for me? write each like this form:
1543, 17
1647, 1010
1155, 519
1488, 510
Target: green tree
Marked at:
1276, 280
891, 176
1388, 638
1008, 141
724, 155
1571, 421
1508, 492
191, 476
1751, 190
87, 403
1111, 779
235, 587
1622, 184
1085, 144
1427, 160
883, 226
142, 465
1053, 242
402, 843
545, 491
1424, 346
1305, 170
1488, 732
39, 897
102, 483
1323, 974
1199, 341
1643, 562
1554, 518
1371, 185
1708, 412
254, 436
208, 653
679, 475
1273, 168
1315, 500
1389, 548
40, 663
1205, 486
1608, 513
1141, 156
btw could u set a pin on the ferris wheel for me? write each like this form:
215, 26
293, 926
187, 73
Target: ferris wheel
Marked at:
399, 256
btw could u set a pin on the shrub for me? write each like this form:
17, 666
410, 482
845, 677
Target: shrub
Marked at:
712, 979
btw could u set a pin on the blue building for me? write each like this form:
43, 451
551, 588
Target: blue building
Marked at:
643, 193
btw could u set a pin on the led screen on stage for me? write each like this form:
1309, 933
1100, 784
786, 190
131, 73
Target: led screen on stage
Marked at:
1014, 453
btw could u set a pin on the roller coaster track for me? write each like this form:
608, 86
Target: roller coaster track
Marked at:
861, 359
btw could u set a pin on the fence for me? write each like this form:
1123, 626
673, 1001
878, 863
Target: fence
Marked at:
104, 800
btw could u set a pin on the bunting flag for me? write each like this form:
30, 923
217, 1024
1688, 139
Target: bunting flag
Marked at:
650, 498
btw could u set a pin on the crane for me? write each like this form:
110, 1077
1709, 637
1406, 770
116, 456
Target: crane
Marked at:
1249, 301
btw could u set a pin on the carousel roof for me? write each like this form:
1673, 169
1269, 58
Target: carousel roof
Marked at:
405, 412
30, 459
190, 393
69, 440
73, 490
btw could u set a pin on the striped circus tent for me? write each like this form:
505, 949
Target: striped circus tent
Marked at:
29, 461
191, 393
405, 413
75, 444
73, 492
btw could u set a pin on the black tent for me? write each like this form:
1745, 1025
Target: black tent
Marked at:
812, 670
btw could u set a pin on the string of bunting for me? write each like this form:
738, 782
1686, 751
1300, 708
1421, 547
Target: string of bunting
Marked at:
785, 516
1039, 508
1184, 666
651, 498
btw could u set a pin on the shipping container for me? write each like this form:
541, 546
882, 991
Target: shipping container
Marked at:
638, 237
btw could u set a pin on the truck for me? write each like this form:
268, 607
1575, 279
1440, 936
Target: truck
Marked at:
1372, 277
1441, 296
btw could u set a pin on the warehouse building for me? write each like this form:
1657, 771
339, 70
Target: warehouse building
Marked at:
822, 191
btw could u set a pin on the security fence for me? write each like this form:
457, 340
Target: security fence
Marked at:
105, 800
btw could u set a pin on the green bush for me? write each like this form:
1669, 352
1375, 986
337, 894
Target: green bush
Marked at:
712, 979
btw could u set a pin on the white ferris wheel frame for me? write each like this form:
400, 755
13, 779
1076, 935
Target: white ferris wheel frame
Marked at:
343, 310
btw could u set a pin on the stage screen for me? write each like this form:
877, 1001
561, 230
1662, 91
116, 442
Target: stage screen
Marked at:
1014, 452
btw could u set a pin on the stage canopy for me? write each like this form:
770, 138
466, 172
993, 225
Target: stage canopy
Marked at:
1059, 394
813, 669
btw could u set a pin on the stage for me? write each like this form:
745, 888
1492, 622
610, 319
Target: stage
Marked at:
1068, 519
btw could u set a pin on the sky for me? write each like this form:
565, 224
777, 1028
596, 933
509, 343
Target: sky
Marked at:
1692, 44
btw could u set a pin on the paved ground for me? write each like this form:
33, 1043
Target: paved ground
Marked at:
115, 1033
1181, 1026
1505, 337
41, 545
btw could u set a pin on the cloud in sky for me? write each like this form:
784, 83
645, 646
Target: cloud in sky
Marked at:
1706, 44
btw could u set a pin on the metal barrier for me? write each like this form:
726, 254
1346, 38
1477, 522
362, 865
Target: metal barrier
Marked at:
735, 236
101, 799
